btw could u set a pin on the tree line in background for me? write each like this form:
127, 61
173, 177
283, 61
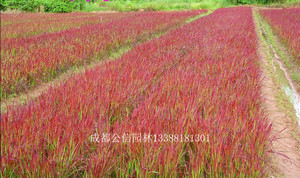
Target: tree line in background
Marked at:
69, 6
48, 5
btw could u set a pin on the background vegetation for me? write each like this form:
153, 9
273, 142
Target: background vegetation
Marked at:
125, 5
128, 5
48, 5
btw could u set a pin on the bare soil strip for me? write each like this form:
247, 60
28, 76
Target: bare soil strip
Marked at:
284, 160
36, 91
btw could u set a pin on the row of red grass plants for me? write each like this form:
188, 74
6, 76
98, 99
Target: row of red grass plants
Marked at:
28, 61
36, 24
36, 17
201, 78
286, 23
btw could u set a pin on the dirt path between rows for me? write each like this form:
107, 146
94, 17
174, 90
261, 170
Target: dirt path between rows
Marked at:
285, 159
38, 90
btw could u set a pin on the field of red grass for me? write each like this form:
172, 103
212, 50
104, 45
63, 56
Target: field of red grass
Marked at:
37, 55
186, 104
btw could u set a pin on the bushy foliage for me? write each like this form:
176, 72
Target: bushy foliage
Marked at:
27, 5
58, 6
50, 5
254, 1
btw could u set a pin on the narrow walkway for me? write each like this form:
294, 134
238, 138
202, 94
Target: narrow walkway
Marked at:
284, 161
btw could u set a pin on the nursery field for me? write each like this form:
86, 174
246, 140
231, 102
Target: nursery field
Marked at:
184, 101
27, 24
29, 60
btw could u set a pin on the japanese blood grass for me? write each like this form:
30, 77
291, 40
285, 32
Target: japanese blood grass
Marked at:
28, 61
28, 24
201, 78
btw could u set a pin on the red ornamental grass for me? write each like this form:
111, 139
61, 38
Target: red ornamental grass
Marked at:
25, 25
185, 82
286, 23
27, 61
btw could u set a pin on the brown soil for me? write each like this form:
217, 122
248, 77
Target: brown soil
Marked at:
285, 159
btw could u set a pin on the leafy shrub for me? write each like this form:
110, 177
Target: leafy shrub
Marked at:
50, 5
57, 6
26, 5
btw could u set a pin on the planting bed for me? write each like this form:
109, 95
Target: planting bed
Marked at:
26, 24
200, 81
33, 59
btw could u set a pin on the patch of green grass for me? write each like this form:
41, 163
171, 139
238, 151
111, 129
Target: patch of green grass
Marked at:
197, 17
163, 5
285, 3
273, 42
256, 21
89, 7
